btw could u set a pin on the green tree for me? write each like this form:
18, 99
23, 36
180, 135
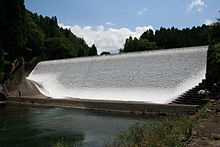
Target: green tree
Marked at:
93, 51
57, 48
145, 45
213, 63
12, 27
35, 37
169, 38
46, 40
149, 34
132, 45
128, 46
81, 52
215, 32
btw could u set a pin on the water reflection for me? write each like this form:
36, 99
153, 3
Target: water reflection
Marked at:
27, 126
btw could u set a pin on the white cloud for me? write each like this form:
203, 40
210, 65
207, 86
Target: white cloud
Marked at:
142, 11
199, 9
109, 23
208, 22
105, 39
196, 5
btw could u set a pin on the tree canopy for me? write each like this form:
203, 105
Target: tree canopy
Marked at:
48, 41
213, 63
12, 32
168, 38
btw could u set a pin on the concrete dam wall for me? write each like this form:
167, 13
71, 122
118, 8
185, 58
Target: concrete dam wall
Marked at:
151, 77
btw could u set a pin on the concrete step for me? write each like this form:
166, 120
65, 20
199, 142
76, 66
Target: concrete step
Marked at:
191, 96
189, 99
187, 103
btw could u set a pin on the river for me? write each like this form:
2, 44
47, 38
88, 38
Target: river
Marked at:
39, 126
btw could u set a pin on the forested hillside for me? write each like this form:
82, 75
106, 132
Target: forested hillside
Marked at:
34, 37
168, 38
46, 40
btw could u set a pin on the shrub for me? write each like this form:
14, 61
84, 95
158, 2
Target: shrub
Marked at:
171, 131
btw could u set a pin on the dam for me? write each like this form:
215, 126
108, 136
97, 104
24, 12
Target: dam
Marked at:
141, 83
158, 76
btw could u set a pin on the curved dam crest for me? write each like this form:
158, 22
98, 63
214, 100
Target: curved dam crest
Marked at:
153, 76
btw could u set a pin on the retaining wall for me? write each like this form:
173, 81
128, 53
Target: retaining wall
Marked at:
116, 106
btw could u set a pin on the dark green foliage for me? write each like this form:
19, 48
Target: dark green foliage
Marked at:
167, 132
216, 53
93, 51
48, 41
168, 38
149, 34
12, 34
215, 32
81, 52
105, 53
1, 57
138, 45
57, 48
213, 63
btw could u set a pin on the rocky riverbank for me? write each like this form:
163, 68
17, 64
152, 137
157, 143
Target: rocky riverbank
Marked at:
207, 131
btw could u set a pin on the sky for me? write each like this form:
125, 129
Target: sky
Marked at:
107, 23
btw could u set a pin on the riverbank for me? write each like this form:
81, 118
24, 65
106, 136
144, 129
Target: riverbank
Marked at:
207, 131
201, 129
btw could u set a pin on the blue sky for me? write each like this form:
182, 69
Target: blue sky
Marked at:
108, 22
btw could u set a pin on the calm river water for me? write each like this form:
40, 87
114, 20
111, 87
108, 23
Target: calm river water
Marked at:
33, 126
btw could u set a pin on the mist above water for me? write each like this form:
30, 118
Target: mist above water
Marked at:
153, 76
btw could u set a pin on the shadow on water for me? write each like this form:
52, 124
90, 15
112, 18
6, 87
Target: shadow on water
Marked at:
32, 126
24, 126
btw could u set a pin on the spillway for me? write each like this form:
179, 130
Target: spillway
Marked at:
153, 76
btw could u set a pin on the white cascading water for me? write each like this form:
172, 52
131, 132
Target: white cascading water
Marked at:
154, 76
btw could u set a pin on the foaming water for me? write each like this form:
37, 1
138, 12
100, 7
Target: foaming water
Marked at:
154, 76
